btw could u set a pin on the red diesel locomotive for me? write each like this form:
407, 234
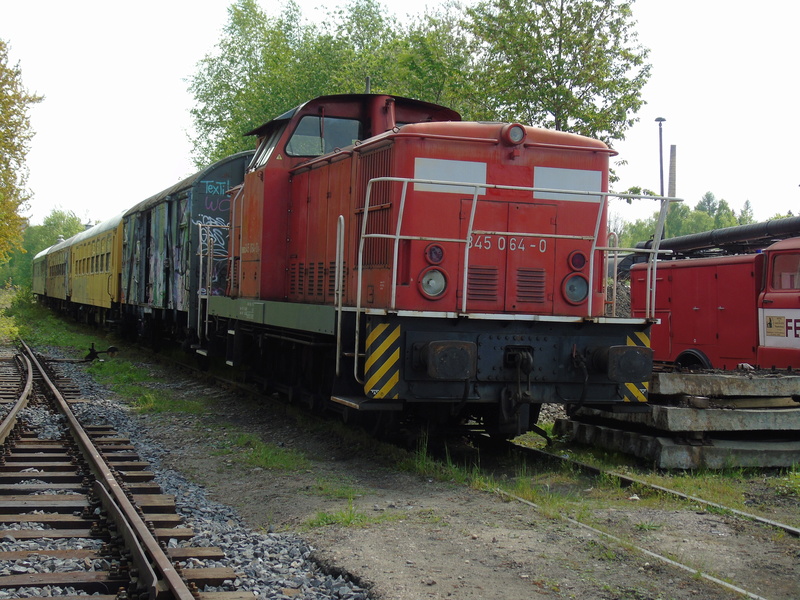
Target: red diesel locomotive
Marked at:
399, 262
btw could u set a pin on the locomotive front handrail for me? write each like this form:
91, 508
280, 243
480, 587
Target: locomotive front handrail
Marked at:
235, 276
600, 198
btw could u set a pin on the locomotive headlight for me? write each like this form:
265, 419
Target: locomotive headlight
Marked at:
512, 134
433, 283
575, 289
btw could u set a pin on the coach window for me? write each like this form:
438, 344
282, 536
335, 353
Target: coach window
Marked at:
786, 272
319, 135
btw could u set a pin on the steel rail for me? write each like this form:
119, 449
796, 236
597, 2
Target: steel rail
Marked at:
627, 480
11, 417
150, 559
644, 551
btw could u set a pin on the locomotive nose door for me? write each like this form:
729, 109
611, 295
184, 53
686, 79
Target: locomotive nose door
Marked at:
530, 262
508, 272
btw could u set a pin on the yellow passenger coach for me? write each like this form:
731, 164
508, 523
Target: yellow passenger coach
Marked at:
95, 269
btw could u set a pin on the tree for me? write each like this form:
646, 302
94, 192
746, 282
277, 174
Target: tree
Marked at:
640, 230
708, 214
265, 66
572, 65
724, 217
677, 217
368, 38
35, 239
225, 87
15, 137
745, 216
707, 204
436, 60
720, 213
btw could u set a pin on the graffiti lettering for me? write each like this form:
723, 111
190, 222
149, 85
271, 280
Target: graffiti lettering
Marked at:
214, 243
217, 188
222, 205
214, 237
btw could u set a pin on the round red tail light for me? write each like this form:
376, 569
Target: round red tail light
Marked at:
577, 260
434, 254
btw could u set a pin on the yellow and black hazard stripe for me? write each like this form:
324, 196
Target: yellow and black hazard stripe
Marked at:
636, 391
382, 366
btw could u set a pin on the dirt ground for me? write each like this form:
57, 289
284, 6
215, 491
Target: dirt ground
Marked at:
434, 540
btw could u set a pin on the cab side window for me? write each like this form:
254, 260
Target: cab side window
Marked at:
265, 148
786, 272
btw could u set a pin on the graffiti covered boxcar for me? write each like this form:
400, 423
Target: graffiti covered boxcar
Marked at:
160, 258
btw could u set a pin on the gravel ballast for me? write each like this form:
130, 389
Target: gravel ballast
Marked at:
270, 565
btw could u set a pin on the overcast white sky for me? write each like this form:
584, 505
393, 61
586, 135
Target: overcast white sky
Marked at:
113, 128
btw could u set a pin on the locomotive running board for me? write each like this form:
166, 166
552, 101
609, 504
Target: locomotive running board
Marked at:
361, 403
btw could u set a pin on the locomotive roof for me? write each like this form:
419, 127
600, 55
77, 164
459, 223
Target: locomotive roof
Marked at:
183, 184
437, 112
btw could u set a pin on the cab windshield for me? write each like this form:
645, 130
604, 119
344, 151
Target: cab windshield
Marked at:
320, 135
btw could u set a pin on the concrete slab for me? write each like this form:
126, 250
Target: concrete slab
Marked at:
666, 453
677, 419
726, 385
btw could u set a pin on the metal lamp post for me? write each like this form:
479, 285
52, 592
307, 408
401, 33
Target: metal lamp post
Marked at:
660, 120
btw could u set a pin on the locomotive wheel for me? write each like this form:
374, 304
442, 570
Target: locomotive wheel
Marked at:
350, 416
380, 424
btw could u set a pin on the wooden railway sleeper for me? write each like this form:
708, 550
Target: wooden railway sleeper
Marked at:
109, 522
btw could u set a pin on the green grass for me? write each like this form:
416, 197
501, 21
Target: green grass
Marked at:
252, 452
335, 489
648, 526
8, 328
730, 487
134, 384
119, 371
39, 326
159, 401
788, 484
422, 463
348, 517
130, 381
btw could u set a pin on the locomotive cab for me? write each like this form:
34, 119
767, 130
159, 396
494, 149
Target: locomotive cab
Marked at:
323, 126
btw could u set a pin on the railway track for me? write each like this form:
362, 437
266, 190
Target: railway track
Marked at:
627, 481
79, 512
694, 572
